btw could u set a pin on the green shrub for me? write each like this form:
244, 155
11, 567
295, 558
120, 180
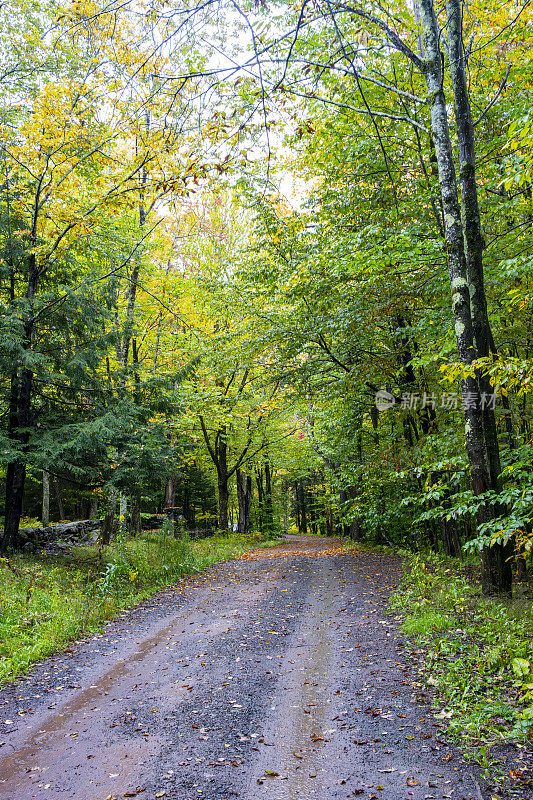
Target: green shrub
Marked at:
426, 623
479, 652
48, 601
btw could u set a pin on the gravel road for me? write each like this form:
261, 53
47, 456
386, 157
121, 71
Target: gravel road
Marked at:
276, 676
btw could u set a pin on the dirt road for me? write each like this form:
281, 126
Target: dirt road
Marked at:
277, 676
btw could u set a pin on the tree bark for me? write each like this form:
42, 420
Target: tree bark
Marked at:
135, 513
268, 505
497, 570
302, 506
19, 423
495, 578
170, 496
241, 499
15, 480
223, 502
60, 506
108, 524
244, 497
45, 515
222, 475
260, 498
122, 511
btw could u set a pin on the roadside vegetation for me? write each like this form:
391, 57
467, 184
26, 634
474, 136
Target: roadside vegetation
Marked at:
263, 269
477, 652
49, 599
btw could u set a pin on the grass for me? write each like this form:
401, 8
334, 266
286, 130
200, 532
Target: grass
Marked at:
47, 601
426, 623
478, 652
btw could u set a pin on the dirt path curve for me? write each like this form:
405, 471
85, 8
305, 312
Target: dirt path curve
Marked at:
276, 676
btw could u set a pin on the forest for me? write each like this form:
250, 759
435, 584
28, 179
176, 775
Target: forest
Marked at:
266, 268
224, 235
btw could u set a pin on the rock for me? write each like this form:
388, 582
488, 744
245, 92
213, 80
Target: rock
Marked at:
72, 532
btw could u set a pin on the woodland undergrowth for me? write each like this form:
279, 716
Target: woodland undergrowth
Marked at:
477, 653
48, 600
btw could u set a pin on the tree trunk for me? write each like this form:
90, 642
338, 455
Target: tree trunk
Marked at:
170, 496
135, 514
355, 525
222, 479
244, 497
260, 499
223, 502
268, 506
302, 506
108, 525
342, 524
60, 506
497, 570
19, 422
45, 515
186, 506
122, 511
241, 499
15, 479
476, 446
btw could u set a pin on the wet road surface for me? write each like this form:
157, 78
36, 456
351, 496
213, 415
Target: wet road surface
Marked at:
278, 675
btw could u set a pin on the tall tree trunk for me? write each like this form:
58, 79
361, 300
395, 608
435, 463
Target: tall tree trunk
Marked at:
122, 512
355, 525
20, 401
302, 506
342, 524
108, 524
223, 502
186, 505
19, 422
241, 499
135, 513
222, 479
15, 479
268, 505
497, 571
476, 446
244, 497
260, 498
170, 496
45, 515
60, 506
248, 505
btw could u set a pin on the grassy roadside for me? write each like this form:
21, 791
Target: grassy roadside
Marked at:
48, 600
477, 653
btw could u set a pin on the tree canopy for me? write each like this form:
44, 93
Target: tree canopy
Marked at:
265, 264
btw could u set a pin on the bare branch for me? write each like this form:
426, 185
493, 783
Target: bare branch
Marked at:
498, 93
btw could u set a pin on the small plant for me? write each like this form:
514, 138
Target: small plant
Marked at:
426, 623
46, 601
168, 527
479, 653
